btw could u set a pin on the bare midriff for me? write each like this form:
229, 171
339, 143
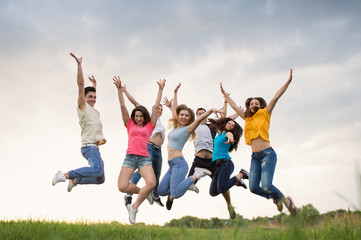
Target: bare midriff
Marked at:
157, 139
204, 154
258, 144
173, 153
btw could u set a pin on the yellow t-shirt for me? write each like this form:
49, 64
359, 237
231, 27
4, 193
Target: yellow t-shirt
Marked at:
257, 126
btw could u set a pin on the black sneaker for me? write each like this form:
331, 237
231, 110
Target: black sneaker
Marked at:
127, 199
169, 203
158, 201
240, 183
245, 174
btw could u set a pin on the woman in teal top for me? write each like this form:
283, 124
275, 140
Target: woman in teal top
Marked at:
226, 141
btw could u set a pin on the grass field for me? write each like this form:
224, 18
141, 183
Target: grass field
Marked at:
347, 227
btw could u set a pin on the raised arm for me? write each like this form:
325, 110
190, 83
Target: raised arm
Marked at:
279, 93
92, 79
130, 97
175, 100
199, 119
167, 103
80, 82
154, 116
123, 108
229, 100
224, 111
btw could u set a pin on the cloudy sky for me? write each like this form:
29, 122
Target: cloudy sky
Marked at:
248, 45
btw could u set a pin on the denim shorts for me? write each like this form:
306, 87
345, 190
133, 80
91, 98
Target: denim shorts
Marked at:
136, 161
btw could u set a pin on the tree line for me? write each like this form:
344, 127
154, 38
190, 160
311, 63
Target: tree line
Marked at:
308, 215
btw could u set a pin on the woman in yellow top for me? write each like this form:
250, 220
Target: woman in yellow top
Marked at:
264, 158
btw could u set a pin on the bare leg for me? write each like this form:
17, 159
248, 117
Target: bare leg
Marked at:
123, 181
147, 173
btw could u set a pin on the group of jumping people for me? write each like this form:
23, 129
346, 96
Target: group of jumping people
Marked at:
214, 139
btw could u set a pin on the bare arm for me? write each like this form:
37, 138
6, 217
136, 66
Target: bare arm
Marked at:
130, 97
123, 108
229, 100
80, 82
92, 79
279, 93
224, 110
154, 115
175, 100
230, 138
199, 119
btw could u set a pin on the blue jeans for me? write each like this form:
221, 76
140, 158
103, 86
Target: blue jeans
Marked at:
93, 174
263, 165
174, 182
155, 155
221, 182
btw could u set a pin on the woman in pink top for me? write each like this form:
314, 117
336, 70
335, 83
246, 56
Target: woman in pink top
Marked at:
140, 125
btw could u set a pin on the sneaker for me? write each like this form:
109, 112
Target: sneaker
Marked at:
194, 188
127, 199
240, 183
59, 177
158, 201
201, 172
245, 174
291, 207
71, 185
132, 213
150, 199
169, 203
232, 213
279, 205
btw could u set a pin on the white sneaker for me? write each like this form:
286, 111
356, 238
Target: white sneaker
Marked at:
150, 198
59, 177
201, 172
71, 185
132, 213
194, 188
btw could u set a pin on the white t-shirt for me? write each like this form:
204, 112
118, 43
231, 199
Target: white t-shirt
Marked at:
91, 126
204, 139
158, 129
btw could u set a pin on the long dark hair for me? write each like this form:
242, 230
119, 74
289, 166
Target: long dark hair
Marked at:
145, 113
237, 131
248, 112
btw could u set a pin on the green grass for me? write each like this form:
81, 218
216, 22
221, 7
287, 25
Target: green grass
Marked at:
346, 227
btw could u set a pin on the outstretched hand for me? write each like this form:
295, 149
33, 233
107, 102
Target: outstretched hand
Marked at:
217, 111
79, 60
167, 103
92, 79
177, 88
230, 138
223, 91
117, 82
161, 84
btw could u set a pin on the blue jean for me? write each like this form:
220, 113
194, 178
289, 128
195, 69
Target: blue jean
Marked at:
155, 155
221, 182
93, 174
174, 182
263, 165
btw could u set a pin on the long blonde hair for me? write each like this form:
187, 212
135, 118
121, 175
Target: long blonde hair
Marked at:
175, 123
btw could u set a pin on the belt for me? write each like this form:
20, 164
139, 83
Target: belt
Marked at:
89, 145
154, 145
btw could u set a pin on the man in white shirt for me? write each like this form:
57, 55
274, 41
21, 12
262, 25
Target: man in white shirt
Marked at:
91, 134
